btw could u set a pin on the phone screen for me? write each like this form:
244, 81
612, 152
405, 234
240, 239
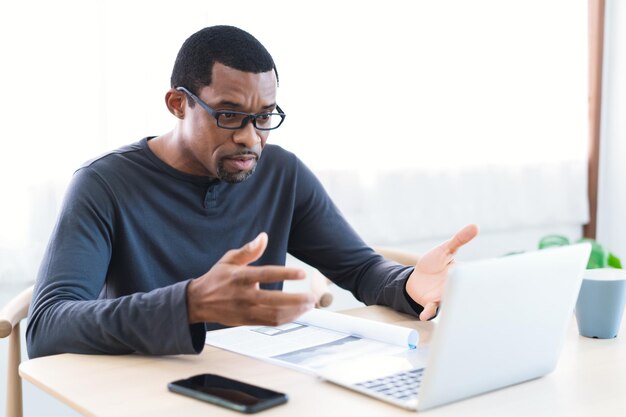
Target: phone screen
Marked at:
228, 392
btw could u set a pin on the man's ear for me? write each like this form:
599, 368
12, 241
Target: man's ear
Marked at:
175, 101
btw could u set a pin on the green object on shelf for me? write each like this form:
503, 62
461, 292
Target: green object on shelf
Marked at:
599, 257
553, 240
614, 261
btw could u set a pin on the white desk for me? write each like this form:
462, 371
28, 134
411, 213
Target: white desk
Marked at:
590, 380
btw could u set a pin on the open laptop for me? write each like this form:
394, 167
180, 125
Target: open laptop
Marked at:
502, 321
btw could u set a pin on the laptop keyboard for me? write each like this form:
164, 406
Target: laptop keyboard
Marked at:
401, 387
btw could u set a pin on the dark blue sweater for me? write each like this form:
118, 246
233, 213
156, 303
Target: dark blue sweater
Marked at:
133, 231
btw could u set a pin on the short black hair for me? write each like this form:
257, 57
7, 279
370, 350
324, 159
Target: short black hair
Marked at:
227, 45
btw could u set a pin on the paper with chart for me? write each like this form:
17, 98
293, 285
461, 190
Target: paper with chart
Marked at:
316, 340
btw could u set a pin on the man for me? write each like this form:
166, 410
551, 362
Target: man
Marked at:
142, 258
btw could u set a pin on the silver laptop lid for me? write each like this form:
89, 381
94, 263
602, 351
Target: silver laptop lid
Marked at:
502, 321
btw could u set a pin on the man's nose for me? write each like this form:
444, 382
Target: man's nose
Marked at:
247, 136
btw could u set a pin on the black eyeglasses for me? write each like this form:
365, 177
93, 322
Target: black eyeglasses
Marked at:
233, 120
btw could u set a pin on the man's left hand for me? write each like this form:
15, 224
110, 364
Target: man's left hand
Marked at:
425, 285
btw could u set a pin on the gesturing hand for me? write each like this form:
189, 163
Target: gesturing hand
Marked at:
426, 283
229, 292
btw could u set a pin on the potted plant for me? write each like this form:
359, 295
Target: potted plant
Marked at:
599, 258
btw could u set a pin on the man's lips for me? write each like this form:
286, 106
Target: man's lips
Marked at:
242, 157
241, 162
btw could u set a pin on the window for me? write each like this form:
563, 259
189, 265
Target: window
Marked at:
442, 111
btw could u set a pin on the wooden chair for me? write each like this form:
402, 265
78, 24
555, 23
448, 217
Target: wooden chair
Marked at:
10, 316
400, 256
320, 284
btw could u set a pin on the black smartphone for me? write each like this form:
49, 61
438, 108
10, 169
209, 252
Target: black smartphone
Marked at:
228, 393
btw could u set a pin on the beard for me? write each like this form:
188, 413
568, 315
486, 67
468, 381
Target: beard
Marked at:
235, 177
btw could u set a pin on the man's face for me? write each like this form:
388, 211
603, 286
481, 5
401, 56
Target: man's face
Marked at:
230, 155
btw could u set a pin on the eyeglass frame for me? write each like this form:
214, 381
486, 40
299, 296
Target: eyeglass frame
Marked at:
247, 116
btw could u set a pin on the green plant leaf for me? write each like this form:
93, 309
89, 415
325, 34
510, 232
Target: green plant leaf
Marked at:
553, 240
614, 261
513, 253
598, 257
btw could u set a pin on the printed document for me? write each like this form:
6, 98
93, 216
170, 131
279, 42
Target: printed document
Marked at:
318, 339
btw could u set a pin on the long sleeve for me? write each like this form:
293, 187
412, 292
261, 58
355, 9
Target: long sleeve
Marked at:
321, 237
68, 313
133, 231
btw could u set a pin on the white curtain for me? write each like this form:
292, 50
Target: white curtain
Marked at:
418, 116
612, 176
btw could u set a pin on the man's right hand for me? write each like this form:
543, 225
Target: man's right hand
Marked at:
229, 293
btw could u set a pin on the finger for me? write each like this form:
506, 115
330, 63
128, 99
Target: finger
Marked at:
275, 316
249, 275
248, 253
279, 298
463, 236
430, 309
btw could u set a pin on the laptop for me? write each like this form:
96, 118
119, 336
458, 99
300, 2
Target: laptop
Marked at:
502, 321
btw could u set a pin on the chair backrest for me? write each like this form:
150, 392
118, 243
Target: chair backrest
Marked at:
10, 316
400, 256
